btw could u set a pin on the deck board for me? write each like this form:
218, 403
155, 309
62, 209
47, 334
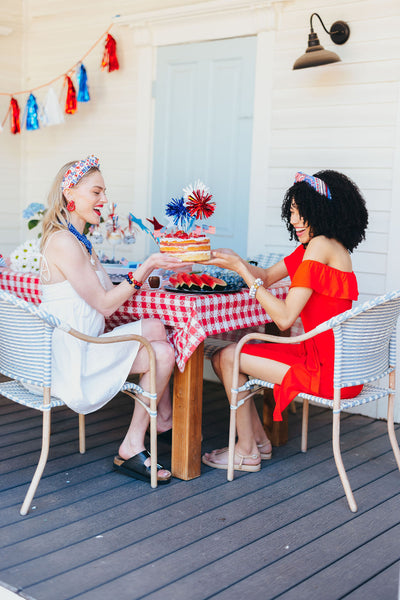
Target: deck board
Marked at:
284, 532
380, 585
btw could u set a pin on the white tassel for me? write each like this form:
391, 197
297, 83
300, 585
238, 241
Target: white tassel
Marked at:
52, 111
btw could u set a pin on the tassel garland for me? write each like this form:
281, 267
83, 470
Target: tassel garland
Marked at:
110, 59
83, 92
53, 113
70, 103
15, 126
32, 121
49, 111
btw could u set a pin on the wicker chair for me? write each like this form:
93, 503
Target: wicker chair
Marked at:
365, 352
266, 260
25, 358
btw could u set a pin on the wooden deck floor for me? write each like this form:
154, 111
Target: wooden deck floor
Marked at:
285, 532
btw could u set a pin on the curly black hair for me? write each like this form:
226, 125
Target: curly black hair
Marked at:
344, 217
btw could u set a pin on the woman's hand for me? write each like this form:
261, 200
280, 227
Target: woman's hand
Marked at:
162, 260
225, 258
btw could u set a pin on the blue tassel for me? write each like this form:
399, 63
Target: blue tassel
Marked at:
32, 121
83, 93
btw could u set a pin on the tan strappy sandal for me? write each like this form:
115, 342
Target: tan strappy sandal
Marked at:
264, 455
240, 466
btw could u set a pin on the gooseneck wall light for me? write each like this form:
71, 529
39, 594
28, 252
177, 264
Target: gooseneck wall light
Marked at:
315, 54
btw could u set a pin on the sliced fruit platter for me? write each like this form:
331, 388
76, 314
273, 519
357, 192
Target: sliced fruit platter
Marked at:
200, 283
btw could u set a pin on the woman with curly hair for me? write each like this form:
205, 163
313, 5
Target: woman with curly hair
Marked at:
327, 215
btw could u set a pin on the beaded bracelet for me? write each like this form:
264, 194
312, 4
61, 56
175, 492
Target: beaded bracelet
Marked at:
253, 290
136, 284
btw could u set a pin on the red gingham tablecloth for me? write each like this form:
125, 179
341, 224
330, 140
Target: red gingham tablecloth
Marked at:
189, 318
23, 285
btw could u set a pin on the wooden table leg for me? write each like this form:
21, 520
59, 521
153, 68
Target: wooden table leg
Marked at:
186, 417
277, 431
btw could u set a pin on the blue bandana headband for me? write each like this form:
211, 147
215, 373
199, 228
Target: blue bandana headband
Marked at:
316, 183
78, 170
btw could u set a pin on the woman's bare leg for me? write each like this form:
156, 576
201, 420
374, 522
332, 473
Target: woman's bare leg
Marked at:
250, 430
154, 331
164, 412
223, 366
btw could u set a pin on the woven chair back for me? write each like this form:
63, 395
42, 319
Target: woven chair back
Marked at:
25, 342
365, 342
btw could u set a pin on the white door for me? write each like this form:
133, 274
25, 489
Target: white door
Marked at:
204, 96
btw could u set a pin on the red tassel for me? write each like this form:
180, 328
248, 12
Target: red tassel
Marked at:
15, 126
110, 59
71, 103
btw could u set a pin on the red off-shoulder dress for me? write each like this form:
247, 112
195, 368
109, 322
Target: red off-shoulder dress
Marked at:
311, 362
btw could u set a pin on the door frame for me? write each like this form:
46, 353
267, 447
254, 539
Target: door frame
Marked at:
206, 21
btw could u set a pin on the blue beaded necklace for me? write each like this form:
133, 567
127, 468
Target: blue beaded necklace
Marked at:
83, 239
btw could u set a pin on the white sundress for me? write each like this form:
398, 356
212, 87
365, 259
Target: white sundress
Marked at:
85, 375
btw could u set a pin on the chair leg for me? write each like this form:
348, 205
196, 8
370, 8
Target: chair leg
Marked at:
153, 418
390, 422
339, 462
153, 442
41, 464
82, 436
304, 426
233, 413
232, 435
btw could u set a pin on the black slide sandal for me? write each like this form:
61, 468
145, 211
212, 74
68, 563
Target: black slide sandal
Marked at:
135, 467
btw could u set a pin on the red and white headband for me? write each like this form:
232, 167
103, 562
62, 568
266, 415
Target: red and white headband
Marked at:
78, 170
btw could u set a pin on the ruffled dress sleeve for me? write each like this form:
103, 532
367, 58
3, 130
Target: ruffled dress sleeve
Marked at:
325, 280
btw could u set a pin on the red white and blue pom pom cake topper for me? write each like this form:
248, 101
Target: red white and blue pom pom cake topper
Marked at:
195, 204
181, 213
198, 200
178, 214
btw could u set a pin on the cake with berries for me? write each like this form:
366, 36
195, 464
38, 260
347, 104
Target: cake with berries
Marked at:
189, 247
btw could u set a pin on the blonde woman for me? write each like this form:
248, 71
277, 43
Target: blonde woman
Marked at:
76, 288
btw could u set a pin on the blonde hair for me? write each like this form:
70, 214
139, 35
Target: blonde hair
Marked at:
57, 215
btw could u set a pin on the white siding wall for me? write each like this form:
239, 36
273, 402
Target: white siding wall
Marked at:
11, 57
344, 116
56, 35
104, 126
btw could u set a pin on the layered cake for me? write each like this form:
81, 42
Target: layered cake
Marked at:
189, 247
